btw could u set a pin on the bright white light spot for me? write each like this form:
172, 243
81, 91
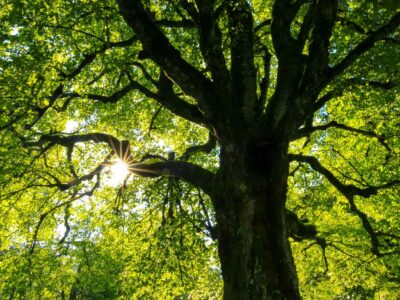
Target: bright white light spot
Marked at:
14, 31
119, 171
60, 230
71, 126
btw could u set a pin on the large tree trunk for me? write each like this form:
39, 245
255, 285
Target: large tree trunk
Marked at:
250, 199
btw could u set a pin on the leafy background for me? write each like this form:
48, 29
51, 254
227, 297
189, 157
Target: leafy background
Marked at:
146, 240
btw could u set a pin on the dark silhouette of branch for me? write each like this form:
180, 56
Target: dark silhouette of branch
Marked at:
352, 24
157, 47
291, 67
365, 45
264, 84
340, 90
153, 118
349, 191
243, 71
191, 173
169, 100
372, 83
146, 74
206, 148
303, 132
209, 226
262, 24
66, 223
75, 196
323, 20
71, 28
283, 13
59, 91
211, 43
299, 230
343, 188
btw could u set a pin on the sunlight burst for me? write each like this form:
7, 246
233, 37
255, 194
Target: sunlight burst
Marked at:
71, 126
119, 171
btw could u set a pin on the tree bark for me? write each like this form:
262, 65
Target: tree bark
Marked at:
249, 198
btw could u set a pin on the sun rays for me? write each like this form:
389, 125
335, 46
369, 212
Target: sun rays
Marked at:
124, 164
119, 171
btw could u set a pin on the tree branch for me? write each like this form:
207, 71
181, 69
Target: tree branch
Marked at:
319, 103
264, 84
243, 72
206, 148
210, 42
58, 92
43, 216
349, 191
283, 12
345, 189
303, 132
290, 67
365, 45
168, 100
318, 59
189, 172
157, 47
261, 25
299, 230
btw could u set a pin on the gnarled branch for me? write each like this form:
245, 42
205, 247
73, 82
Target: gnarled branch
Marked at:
157, 47
349, 191
189, 172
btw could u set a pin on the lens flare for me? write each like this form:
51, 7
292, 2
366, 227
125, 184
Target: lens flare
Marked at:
119, 171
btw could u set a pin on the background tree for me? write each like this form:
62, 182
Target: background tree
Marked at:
270, 127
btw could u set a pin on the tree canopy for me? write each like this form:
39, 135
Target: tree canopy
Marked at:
173, 149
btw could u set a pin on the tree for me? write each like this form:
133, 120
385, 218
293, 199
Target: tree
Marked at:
296, 97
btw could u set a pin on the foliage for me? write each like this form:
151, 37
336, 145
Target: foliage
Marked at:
72, 68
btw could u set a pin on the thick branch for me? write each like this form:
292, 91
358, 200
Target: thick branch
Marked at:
297, 229
169, 100
264, 84
189, 172
318, 59
283, 13
262, 24
206, 148
243, 71
157, 47
290, 67
115, 97
210, 42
